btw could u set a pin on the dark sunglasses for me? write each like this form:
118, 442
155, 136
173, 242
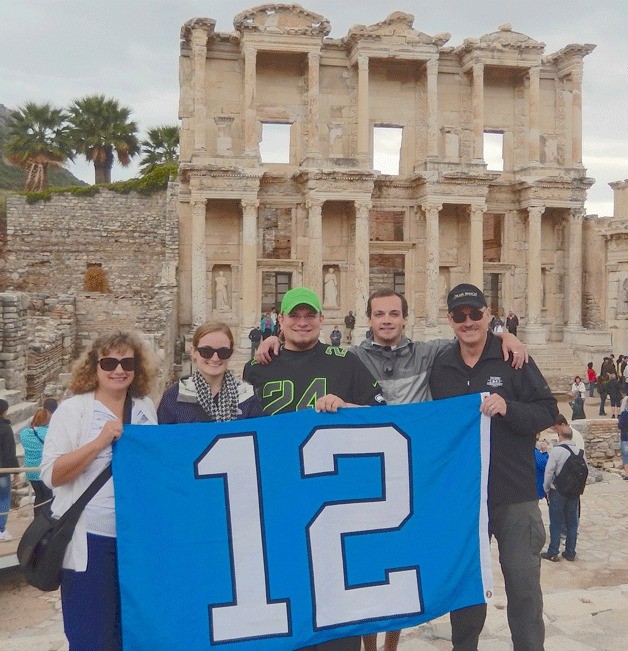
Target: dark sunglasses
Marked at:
111, 363
475, 314
207, 352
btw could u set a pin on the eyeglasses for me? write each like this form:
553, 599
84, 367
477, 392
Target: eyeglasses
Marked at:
111, 363
207, 352
460, 316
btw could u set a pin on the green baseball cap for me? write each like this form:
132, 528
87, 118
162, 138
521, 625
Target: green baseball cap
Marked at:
299, 296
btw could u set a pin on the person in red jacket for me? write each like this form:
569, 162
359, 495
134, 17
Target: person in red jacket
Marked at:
591, 378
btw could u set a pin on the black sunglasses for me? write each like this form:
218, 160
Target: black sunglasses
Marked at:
207, 352
475, 314
111, 363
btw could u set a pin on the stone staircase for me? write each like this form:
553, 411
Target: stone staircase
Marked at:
20, 413
559, 363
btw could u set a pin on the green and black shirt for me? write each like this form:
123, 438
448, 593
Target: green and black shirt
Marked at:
297, 379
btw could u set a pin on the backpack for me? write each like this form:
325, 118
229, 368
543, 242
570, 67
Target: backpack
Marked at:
572, 478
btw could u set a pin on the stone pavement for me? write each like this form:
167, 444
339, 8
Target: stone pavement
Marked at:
586, 602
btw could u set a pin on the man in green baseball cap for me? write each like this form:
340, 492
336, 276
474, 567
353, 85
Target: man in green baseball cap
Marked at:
311, 374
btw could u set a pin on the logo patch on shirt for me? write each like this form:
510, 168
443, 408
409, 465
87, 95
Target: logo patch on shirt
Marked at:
495, 382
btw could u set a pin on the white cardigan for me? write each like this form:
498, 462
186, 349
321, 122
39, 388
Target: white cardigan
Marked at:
70, 421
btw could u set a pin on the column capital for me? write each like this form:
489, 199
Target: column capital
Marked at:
363, 62
432, 65
535, 211
577, 214
313, 57
478, 69
199, 37
249, 51
431, 207
249, 204
197, 202
475, 209
313, 204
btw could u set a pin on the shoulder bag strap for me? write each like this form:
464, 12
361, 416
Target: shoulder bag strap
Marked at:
37, 435
102, 478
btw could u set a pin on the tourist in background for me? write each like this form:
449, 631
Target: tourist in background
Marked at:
349, 326
8, 459
564, 511
255, 336
614, 394
622, 425
110, 382
212, 392
541, 455
602, 383
512, 323
267, 326
335, 337
591, 378
32, 439
578, 395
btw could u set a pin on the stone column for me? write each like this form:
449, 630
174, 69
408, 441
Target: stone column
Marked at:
199, 54
313, 264
567, 122
432, 271
362, 263
251, 128
533, 316
313, 83
534, 115
199, 262
249, 310
432, 108
576, 119
478, 112
363, 109
476, 245
574, 271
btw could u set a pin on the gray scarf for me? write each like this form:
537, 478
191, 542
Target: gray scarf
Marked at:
225, 408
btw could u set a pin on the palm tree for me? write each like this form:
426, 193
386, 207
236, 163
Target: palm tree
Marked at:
100, 130
161, 148
38, 138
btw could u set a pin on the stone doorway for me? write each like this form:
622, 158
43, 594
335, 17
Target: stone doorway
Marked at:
274, 285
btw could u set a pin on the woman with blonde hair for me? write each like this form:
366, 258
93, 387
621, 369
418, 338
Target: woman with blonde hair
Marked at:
110, 382
212, 392
32, 439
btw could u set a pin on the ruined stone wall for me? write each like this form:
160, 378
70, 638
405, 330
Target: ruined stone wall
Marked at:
595, 273
50, 245
51, 341
13, 339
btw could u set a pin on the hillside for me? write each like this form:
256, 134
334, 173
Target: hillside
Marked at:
12, 177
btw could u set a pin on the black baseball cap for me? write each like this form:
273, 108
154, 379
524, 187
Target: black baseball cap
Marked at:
465, 295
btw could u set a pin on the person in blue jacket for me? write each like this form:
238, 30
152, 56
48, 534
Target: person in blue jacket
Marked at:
32, 439
212, 392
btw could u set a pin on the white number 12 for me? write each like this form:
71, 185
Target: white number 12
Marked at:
252, 614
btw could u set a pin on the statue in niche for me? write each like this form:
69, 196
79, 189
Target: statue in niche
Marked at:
222, 300
330, 294
622, 299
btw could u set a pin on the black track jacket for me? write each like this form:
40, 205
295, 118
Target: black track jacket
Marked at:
530, 409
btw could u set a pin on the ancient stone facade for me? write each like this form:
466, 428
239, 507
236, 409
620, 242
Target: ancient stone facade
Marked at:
265, 220
47, 314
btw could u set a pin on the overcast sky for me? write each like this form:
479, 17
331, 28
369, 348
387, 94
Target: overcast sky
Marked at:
59, 50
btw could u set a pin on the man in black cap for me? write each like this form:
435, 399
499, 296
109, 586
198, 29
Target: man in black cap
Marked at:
519, 404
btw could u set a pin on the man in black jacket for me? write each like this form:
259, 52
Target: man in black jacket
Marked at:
519, 405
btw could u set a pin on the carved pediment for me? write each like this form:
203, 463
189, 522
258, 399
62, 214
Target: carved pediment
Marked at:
503, 39
397, 27
282, 19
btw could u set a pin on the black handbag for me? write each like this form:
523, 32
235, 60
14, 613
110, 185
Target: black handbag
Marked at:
42, 547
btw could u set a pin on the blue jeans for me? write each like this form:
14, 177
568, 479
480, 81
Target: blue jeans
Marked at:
591, 388
5, 500
563, 515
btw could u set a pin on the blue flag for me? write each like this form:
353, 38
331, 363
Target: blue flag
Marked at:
291, 530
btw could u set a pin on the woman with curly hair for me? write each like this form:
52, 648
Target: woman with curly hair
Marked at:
110, 383
212, 392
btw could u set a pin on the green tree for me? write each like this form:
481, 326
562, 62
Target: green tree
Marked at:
37, 139
161, 148
101, 130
